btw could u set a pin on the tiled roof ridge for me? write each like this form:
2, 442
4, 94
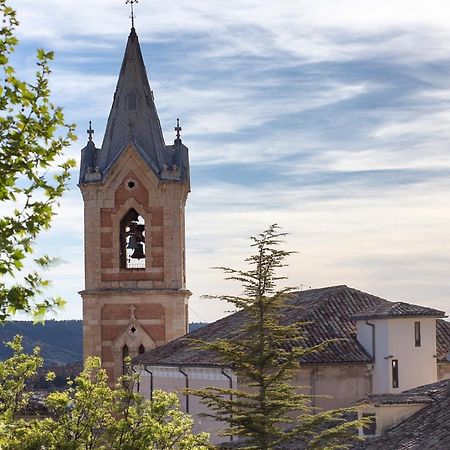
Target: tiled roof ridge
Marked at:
399, 309
314, 297
430, 388
396, 399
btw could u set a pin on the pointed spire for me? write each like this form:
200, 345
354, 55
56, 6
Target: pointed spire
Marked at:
133, 117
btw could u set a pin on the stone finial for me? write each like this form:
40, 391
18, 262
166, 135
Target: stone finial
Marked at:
132, 16
132, 312
178, 129
90, 131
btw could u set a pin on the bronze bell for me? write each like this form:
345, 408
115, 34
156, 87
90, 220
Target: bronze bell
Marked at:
138, 251
132, 243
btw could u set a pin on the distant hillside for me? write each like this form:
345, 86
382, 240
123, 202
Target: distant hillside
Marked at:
61, 341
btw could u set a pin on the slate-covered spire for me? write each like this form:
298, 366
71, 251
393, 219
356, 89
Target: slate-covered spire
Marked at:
133, 117
134, 120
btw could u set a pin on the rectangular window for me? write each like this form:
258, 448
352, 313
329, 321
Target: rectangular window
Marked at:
371, 428
395, 373
417, 337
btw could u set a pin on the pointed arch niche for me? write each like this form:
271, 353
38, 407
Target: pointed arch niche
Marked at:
132, 342
132, 241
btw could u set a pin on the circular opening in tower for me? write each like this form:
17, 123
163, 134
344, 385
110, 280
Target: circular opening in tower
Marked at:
131, 184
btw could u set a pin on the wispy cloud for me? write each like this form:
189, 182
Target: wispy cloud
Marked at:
330, 118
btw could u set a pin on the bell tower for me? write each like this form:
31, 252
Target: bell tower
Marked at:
134, 190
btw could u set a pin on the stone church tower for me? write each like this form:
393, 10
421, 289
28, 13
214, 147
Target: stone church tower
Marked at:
134, 190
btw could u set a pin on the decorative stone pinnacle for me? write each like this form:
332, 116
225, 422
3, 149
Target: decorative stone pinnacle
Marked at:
178, 129
132, 17
132, 312
90, 131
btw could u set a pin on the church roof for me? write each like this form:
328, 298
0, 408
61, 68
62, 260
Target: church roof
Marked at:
328, 313
134, 120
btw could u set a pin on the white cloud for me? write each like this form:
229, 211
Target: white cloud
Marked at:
305, 28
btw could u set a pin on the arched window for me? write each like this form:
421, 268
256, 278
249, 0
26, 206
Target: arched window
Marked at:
141, 349
125, 352
132, 241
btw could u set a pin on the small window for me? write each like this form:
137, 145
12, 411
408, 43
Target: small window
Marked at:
132, 101
141, 349
417, 336
371, 428
395, 373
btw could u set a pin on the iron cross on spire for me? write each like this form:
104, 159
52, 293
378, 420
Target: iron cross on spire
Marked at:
178, 129
131, 3
90, 131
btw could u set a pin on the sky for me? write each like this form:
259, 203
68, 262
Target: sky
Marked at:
330, 118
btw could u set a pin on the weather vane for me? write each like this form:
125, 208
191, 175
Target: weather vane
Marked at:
90, 131
178, 129
132, 2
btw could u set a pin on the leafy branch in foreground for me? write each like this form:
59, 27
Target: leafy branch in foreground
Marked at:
32, 179
89, 414
266, 409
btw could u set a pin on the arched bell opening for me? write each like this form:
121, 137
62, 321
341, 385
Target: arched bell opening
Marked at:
132, 241
141, 349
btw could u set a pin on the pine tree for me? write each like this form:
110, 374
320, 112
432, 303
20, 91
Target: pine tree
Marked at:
268, 410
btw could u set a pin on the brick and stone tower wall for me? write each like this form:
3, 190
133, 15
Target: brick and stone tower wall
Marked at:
134, 190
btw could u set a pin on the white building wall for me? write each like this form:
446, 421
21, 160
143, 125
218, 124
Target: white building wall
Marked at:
417, 365
171, 379
394, 339
387, 416
365, 335
381, 369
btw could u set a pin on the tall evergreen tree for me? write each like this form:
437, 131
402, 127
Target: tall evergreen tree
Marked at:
267, 410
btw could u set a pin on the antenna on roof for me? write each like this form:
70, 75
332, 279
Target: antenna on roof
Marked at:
132, 17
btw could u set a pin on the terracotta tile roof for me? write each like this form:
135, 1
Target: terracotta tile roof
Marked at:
404, 398
329, 312
398, 309
443, 340
428, 429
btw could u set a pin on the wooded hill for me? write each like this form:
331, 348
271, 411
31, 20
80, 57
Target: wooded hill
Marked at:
61, 341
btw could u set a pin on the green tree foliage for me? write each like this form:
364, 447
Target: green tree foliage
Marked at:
89, 415
15, 373
33, 135
265, 355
